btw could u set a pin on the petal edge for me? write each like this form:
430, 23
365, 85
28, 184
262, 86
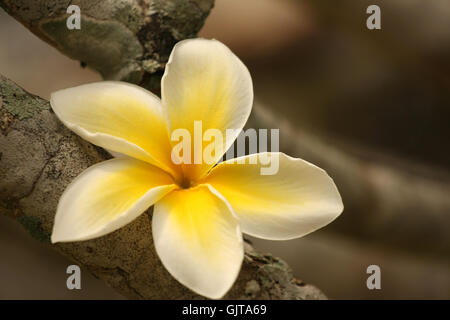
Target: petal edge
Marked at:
106, 197
298, 200
198, 240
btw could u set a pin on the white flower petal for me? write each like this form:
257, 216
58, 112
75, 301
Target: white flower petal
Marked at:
198, 240
118, 116
297, 200
107, 196
204, 81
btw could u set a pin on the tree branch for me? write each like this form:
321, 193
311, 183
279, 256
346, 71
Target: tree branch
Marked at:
40, 157
122, 40
387, 201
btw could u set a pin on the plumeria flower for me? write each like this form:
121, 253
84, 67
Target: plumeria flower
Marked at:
200, 210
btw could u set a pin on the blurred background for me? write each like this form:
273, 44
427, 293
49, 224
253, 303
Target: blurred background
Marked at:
372, 107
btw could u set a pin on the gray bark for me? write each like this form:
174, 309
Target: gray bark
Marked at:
39, 157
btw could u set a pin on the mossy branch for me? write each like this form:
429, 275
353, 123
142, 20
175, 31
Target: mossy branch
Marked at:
122, 40
39, 157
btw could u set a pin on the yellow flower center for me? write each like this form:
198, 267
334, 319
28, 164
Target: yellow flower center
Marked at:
185, 183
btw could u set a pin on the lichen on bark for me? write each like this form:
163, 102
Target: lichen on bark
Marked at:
12, 101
